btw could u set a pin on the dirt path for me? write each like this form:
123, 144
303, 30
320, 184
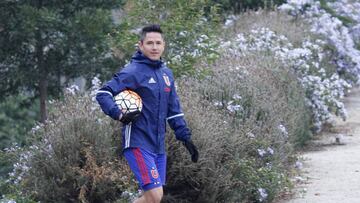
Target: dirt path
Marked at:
332, 173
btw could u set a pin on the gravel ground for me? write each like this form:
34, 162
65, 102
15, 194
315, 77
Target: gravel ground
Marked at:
331, 170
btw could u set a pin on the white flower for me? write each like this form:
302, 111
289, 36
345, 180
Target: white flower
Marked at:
270, 150
250, 135
262, 194
283, 130
233, 108
35, 129
236, 97
286, 7
298, 164
218, 103
261, 152
72, 89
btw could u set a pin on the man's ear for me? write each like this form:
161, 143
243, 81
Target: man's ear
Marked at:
140, 44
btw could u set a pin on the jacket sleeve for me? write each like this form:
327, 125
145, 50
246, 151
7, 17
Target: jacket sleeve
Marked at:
175, 117
105, 96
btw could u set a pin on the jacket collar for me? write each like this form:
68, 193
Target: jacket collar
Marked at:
139, 57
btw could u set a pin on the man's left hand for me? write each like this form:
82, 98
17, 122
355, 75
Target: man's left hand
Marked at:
192, 149
130, 117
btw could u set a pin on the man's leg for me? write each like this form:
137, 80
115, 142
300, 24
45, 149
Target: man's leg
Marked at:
151, 196
143, 164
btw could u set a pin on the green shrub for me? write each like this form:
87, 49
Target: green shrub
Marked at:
296, 32
260, 183
74, 157
245, 118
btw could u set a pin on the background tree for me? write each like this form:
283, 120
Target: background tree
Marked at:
43, 41
18, 114
190, 31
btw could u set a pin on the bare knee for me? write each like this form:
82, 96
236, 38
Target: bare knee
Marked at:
154, 195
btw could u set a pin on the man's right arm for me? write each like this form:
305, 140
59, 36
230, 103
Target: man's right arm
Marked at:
105, 96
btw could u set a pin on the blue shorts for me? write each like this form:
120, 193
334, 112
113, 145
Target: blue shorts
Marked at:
149, 168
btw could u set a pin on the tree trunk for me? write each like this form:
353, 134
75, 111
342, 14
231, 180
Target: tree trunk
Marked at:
43, 98
43, 72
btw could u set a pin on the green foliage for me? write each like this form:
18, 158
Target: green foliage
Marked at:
17, 116
9, 191
12, 194
236, 6
43, 41
190, 31
253, 177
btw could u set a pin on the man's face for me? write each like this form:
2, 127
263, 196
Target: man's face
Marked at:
152, 46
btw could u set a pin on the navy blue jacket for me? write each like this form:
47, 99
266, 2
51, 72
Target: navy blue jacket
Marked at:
154, 82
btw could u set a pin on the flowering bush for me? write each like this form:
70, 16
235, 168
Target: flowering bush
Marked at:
323, 93
74, 156
339, 38
241, 118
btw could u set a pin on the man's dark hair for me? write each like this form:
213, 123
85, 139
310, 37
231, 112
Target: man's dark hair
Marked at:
150, 28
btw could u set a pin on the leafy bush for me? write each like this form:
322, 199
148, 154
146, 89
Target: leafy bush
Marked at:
246, 115
18, 114
74, 157
338, 33
306, 56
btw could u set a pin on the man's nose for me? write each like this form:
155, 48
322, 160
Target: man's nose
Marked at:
155, 46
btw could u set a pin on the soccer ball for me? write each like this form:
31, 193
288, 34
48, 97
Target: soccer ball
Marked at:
128, 101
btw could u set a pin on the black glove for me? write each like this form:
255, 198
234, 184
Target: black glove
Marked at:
192, 149
130, 117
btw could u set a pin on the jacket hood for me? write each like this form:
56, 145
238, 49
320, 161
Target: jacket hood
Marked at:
139, 57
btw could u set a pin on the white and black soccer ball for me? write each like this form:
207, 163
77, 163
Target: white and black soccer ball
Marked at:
128, 101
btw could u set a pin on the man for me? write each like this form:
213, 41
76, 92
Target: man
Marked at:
143, 133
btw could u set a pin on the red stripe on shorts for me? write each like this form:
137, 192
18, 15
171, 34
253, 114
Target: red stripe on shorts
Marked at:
142, 166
